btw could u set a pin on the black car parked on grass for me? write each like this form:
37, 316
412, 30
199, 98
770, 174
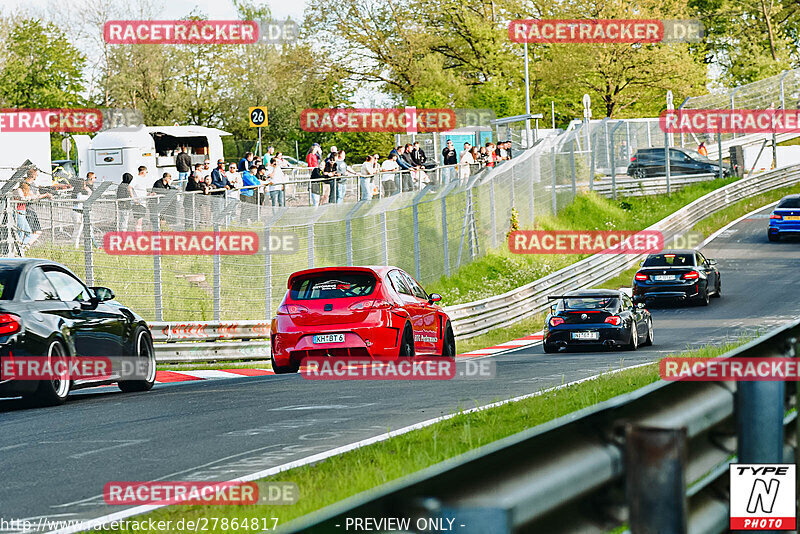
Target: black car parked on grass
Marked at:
46, 311
680, 274
651, 162
596, 317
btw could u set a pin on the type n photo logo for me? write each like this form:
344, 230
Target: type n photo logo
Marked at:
762, 496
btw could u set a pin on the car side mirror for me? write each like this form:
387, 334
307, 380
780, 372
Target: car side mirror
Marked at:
553, 309
712, 262
434, 297
102, 293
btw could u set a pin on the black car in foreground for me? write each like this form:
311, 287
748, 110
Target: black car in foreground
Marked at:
596, 317
651, 162
47, 312
677, 275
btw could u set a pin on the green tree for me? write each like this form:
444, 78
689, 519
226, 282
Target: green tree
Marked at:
40, 68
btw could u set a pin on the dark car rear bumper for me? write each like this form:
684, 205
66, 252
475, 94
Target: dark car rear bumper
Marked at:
609, 336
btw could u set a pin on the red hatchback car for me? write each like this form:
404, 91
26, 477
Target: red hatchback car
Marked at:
366, 312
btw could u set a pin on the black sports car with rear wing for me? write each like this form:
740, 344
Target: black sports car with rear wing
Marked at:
596, 317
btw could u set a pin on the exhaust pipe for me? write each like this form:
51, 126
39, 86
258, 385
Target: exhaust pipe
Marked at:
608, 343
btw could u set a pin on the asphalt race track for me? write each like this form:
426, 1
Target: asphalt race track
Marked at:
55, 461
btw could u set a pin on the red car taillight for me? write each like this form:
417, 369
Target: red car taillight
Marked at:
775, 216
555, 321
376, 304
9, 324
691, 275
633, 158
291, 309
616, 320
640, 276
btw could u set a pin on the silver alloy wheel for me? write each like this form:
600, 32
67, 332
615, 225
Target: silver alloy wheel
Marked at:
144, 350
650, 330
60, 385
634, 336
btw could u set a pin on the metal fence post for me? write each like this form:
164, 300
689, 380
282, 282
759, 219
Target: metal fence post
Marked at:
719, 153
267, 273
593, 163
532, 192
445, 240
759, 421
655, 479
572, 163
513, 193
88, 251
614, 161
311, 244
385, 238
667, 168
492, 215
553, 162
415, 216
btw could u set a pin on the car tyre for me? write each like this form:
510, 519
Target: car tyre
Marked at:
640, 174
704, 298
634, 343
718, 290
549, 348
53, 392
407, 343
282, 369
142, 348
649, 341
449, 342
773, 237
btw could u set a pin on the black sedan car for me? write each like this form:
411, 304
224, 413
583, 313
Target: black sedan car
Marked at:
677, 275
650, 162
596, 317
47, 312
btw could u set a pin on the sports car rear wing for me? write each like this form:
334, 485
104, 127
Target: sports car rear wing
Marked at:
556, 297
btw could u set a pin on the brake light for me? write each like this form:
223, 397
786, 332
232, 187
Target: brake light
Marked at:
616, 320
9, 324
633, 158
691, 275
555, 321
775, 216
291, 309
640, 276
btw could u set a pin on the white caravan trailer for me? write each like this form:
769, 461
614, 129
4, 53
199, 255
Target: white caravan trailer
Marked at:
115, 151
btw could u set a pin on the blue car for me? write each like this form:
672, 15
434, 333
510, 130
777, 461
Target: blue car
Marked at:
785, 218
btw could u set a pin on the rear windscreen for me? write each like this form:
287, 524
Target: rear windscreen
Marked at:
335, 285
589, 303
669, 260
789, 203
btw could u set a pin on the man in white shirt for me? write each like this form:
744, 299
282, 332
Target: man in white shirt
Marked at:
390, 181
276, 179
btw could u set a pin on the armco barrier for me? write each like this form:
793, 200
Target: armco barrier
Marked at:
475, 318
655, 460
243, 340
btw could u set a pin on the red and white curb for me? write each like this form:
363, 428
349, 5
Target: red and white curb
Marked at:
166, 377
522, 342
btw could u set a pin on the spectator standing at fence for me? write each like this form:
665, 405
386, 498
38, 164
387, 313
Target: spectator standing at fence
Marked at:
467, 160
500, 151
205, 170
249, 185
315, 187
23, 193
418, 155
508, 149
124, 203
449, 157
467, 147
368, 169
235, 179
270, 153
413, 174
83, 190
276, 180
245, 162
219, 179
139, 197
701, 149
391, 184
33, 195
314, 156
339, 187
183, 164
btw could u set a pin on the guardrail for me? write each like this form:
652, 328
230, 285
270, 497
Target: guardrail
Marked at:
247, 340
649, 186
654, 460
475, 318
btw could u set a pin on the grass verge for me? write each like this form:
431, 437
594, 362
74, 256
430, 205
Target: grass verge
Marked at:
342, 476
500, 270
